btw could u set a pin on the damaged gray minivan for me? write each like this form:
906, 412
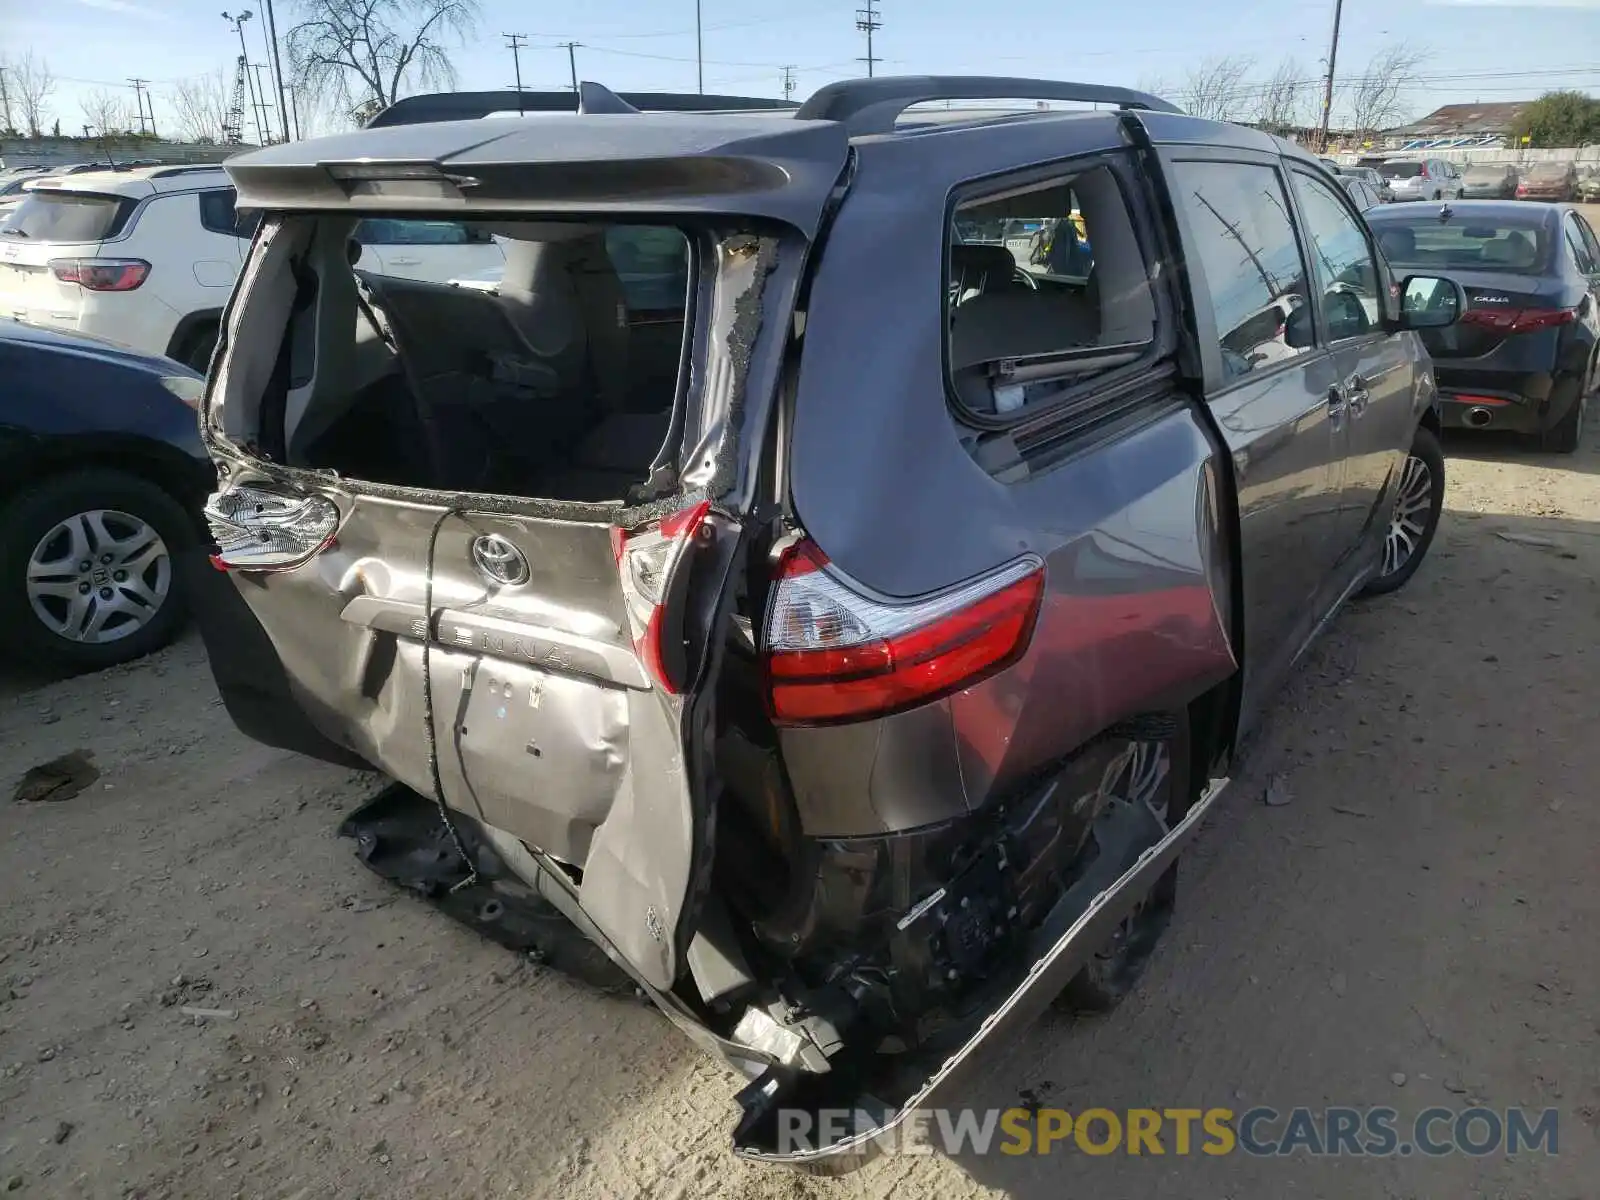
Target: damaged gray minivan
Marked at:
841, 624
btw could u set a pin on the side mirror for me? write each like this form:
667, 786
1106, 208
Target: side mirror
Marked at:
1430, 302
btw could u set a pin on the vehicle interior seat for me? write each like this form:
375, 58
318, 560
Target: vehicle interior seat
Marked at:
1398, 242
1516, 251
982, 267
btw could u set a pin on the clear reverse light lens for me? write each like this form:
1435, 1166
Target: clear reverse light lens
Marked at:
260, 530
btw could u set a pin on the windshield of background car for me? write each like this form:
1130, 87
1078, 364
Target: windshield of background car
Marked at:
67, 217
1547, 170
1485, 174
1422, 243
1400, 170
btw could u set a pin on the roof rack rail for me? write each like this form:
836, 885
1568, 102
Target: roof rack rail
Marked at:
590, 98
872, 105
162, 172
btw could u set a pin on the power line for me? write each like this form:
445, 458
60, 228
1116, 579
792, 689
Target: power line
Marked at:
868, 22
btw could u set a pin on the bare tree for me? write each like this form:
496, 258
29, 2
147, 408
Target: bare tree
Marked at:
1280, 102
367, 53
201, 105
1376, 97
1214, 90
1155, 85
107, 112
31, 80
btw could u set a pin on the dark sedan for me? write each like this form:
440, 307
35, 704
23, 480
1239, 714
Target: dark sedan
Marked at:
1523, 355
102, 475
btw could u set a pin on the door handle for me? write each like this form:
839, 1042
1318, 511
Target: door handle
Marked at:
1336, 403
1356, 391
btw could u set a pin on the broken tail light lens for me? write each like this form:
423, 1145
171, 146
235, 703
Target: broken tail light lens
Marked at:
647, 560
260, 530
101, 274
834, 655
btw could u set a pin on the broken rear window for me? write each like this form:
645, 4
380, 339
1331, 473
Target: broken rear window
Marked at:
527, 358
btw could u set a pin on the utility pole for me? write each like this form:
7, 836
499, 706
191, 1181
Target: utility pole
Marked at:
294, 108
788, 83
699, 51
264, 113
1327, 90
868, 22
572, 60
5, 97
244, 57
514, 43
277, 70
138, 104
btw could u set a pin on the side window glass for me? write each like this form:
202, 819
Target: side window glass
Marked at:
1589, 240
1346, 274
1249, 262
1580, 252
652, 262
1047, 287
218, 214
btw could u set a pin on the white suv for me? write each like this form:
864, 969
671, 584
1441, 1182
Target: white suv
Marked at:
147, 256
144, 256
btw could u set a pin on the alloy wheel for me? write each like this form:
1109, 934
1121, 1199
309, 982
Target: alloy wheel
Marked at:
99, 576
1409, 521
1143, 778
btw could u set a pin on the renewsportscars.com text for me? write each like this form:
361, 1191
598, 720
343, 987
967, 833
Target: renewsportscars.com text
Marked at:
1260, 1131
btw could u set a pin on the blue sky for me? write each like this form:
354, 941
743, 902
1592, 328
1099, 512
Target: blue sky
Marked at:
1480, 49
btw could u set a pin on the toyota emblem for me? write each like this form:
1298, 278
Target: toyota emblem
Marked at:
499, 561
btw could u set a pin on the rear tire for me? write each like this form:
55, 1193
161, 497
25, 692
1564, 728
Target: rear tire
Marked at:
125, 604
199, 346
1419, 499
1564, 436
1115, 970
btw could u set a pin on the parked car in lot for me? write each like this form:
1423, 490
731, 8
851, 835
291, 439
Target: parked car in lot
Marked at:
1422, 179
147, 256
1362, 194
849, 652
1557, 181
1489, 181
102, 476
1371, 177
1589, 185
1524, 355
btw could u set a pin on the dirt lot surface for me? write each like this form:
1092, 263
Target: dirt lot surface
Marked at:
1415, 927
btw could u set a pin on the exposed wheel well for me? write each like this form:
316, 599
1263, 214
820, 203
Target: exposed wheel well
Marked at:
166, 473
1431, 422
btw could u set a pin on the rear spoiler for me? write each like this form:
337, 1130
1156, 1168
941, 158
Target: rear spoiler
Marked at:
589, 98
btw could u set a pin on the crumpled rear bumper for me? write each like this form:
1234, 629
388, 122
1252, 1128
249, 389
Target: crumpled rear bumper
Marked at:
865, 1133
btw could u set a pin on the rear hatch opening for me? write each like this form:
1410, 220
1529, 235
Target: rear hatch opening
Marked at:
560, 382
489, 529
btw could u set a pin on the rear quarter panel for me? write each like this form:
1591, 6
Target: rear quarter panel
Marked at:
1134, 529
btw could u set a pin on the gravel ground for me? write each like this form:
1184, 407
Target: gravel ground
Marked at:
1415, 927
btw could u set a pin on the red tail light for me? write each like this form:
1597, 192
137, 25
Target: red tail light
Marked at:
101, 274
1519, 320
834, 655
648, 560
